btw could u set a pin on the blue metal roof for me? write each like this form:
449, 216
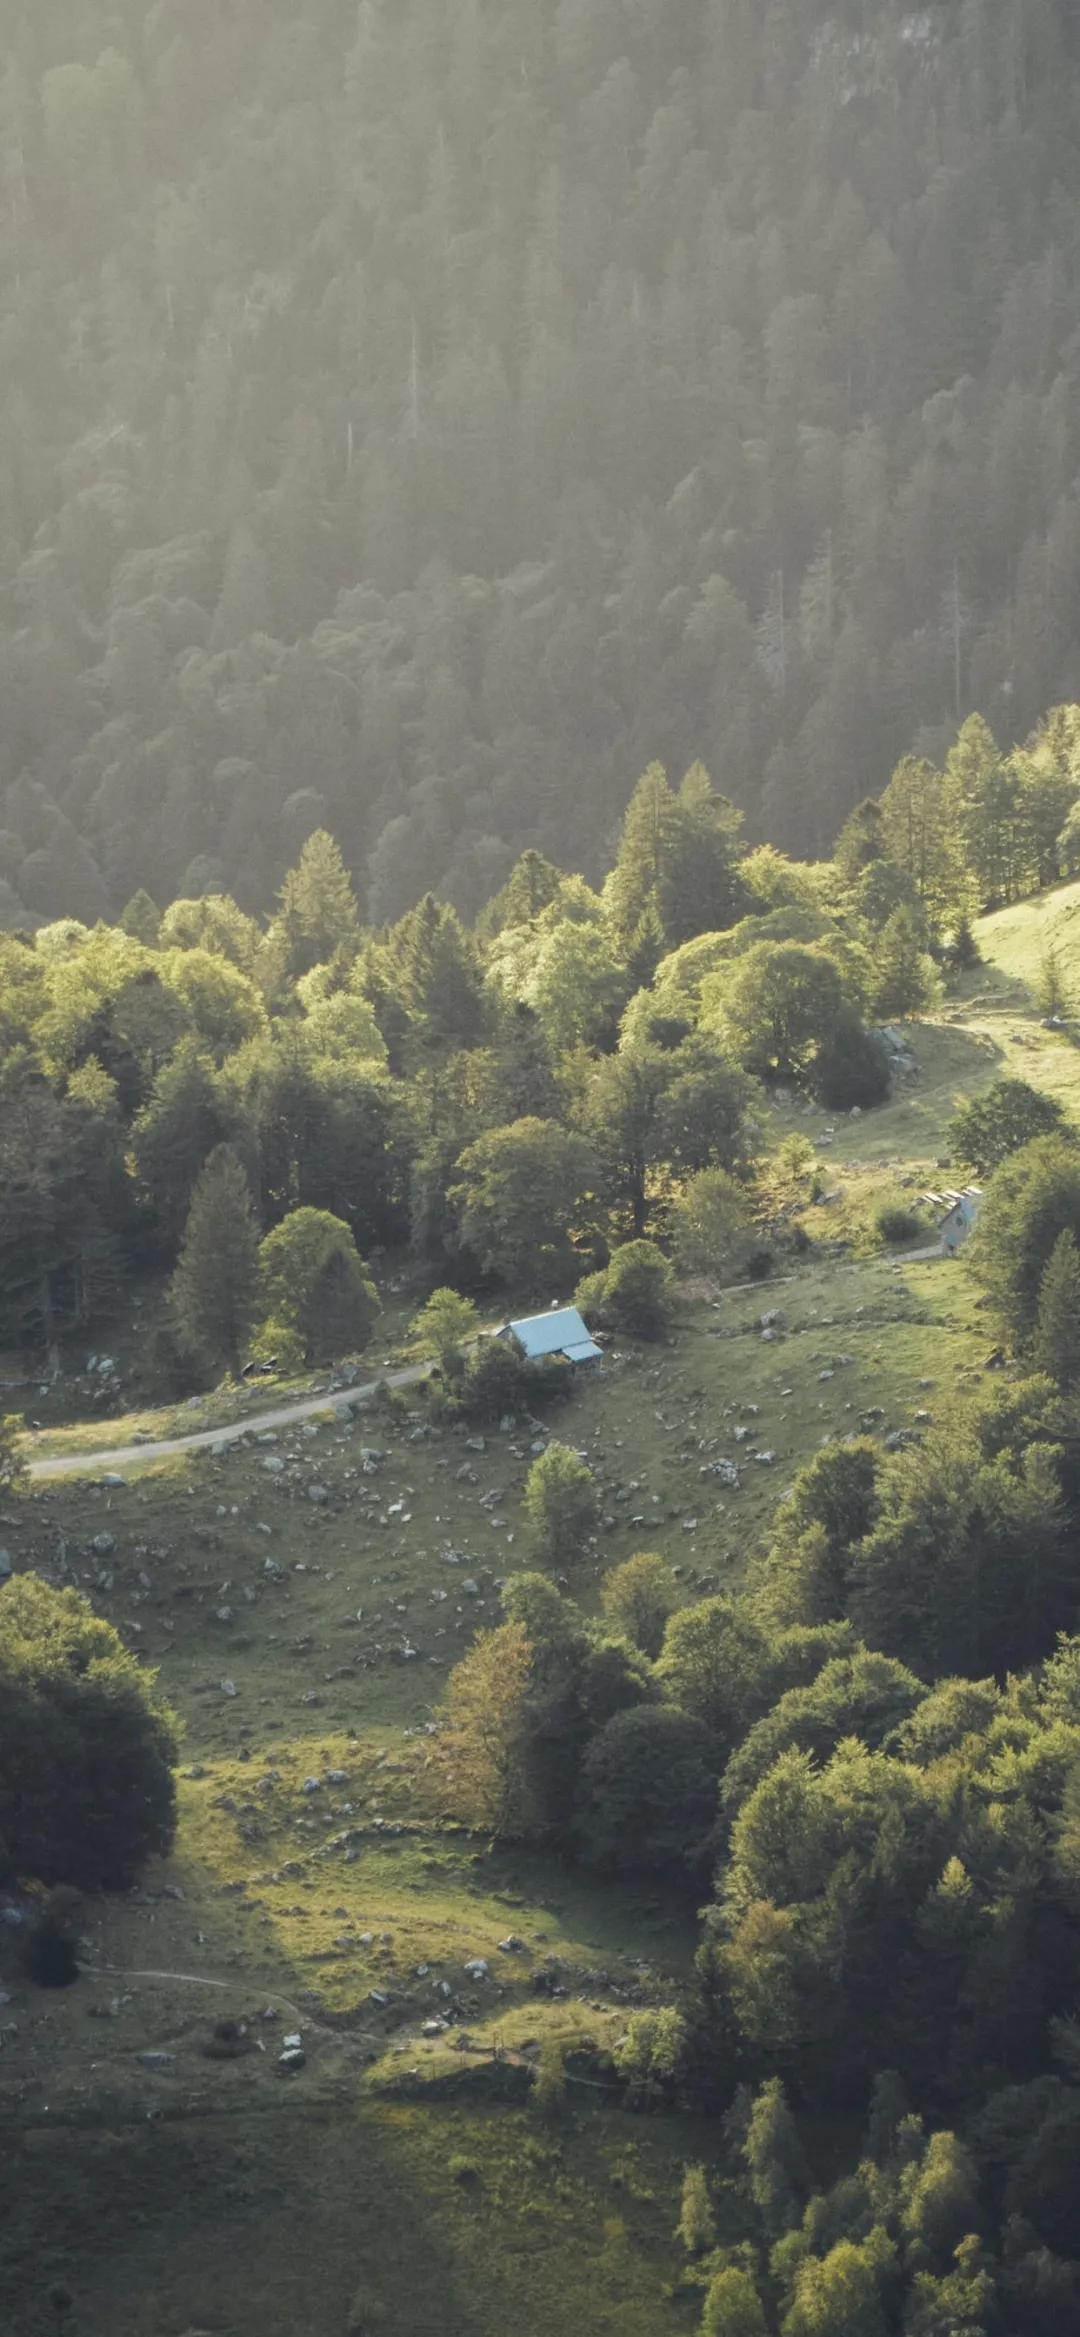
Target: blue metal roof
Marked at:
562, 1331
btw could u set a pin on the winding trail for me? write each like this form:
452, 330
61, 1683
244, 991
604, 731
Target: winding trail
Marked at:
130, 1456
306, 2019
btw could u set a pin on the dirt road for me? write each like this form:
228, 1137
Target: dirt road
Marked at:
130, 1456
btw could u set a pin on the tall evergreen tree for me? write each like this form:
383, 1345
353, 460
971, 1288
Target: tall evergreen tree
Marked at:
677, 862
215, 1289
1057, 1323
318, 905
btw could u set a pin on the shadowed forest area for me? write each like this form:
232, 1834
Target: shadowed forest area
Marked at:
416, 418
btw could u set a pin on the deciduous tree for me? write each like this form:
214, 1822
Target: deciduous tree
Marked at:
314, 1281
561, 1505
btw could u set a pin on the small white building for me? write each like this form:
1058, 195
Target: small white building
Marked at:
961, 1211
561, 1331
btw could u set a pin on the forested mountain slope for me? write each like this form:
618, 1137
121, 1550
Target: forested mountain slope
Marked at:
415, 417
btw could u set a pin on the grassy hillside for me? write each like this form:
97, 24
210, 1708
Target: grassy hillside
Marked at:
304, 1597
1016, 941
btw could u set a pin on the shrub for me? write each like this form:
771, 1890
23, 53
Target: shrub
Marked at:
651, 2058
51, 1940
633, 1294
11, 1463
86, 1747
895, 1222
494, 1382
279, 1344
446, 1325
549, 2087
851, 1068
547, 1379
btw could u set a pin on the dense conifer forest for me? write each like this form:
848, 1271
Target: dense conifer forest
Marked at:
415, 418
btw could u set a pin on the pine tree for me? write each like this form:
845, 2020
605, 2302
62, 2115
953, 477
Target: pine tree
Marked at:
1057, 1324
635, 883
905, 980
142, 919
318, 905
215, 1289
437, 977
1051, 988
861, 840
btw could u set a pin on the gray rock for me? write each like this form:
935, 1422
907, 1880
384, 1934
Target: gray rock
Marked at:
292, 2060
274, 1465
7, 1565
319, 1495
229, 1688
161, 2062
478, 1968
103, 1545
311, 1785
112, 1479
